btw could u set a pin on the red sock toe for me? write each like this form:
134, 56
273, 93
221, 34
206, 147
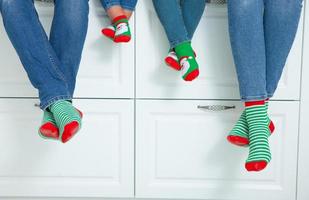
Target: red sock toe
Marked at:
256, 166
122, 38
69, 131
49, 130
237, 140
108, 33
172, 63
271, 127
193, 75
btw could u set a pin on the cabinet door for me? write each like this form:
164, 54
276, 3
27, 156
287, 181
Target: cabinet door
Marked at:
217, 72
98, 162
182, 152
106, 70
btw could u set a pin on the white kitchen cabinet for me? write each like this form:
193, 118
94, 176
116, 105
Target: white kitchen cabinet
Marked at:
182, 152
98, 162
106, 70
217, 78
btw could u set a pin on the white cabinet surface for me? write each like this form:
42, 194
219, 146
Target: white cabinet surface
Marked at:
143, 135
98, 162
182, 152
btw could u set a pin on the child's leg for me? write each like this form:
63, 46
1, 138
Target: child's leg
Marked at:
121, 32
170, 15
192, 12
128, 7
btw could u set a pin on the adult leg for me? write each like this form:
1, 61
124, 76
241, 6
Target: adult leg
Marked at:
36, 54
247, 40
280, 23
67, 37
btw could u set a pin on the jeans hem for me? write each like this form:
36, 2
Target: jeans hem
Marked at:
178, 42
254, 98
109, 5
128, 8
46, 104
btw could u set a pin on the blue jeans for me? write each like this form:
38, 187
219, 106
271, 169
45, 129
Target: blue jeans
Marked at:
51, 64
179, 18
125, 4
262, 33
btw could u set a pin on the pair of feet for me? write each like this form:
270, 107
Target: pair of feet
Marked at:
187, 65
60, 122
119, 31
253, 129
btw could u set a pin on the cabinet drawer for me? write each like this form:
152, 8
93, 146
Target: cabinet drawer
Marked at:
182, 152
217, 72
98, 162
106, 70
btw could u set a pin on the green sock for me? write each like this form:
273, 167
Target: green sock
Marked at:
239, 135
186, 56
259, 152
67, 119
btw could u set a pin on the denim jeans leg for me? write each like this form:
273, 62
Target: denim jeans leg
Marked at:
67, 36
36, 54
192, 12
248, 45
109, 3
170, 15
128, 4
280, 24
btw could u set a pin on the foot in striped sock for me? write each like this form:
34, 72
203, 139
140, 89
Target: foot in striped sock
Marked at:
109, 32
67, 119
189, 66
49, 129
239, 135
259, 152
123, 33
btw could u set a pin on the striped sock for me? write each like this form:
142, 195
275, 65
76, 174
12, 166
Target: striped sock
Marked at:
123, 32
259, 152
67, 119
49, 129
239, 135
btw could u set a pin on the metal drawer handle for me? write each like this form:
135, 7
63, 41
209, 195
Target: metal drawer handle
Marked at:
217, 1
216, 107
37, 105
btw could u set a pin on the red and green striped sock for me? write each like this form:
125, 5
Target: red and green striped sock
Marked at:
239, 135
68, 119
258, 124
49, 129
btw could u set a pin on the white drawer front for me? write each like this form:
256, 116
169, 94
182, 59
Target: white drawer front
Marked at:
107, 69
182, 152
98, 162
217, 74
